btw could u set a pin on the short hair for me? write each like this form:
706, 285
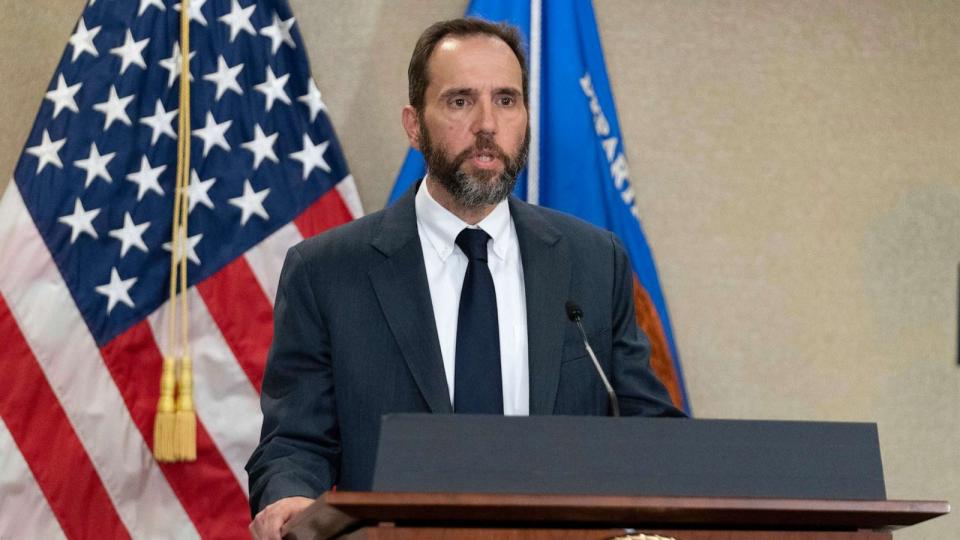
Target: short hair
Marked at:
417, 76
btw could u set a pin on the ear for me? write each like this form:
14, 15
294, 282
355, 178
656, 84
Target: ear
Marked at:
411, 124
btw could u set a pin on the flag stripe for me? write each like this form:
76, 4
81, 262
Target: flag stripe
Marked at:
226, 401
26, 512
48, 443
328, 211
347, 188
243, 314
63, 348
222, 510
266, 258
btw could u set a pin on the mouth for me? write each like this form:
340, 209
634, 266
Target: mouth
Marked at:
485, 159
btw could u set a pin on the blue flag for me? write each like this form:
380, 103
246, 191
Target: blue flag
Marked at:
577, 160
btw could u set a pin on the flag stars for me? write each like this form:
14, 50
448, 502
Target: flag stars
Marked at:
63, 96
250, 203
130, 235
114, 108
195, 11
238, 19
174, 64
82, 40
80, 221
311, 156
279, 33
188, 248
145, 4
198, 191
47, 152
312, 100
131, 52
225, 77
213, 134
147, 178
160, 122
117, 290
261, 146
96, 165
272, 88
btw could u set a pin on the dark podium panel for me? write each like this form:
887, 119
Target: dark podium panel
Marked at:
629, 456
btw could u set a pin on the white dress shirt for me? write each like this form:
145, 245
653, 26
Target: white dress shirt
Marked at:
446, 266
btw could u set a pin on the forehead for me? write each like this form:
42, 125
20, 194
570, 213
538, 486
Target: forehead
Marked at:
477, 61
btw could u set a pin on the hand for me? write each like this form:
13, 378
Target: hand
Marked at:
268, 522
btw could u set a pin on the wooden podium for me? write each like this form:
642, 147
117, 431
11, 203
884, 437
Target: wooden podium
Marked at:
428, 516
554, 477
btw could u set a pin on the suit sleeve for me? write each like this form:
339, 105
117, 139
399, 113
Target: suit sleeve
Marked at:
639, 391
299, 446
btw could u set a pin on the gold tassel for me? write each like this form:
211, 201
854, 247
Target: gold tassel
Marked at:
186, 433
165, 421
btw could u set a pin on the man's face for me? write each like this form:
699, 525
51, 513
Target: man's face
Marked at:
473, 128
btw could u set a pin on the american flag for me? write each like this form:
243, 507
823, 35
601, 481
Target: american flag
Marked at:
85, 230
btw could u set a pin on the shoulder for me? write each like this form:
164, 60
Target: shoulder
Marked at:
570, 227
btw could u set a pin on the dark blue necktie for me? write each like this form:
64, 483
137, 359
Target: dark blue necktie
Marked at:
477, 387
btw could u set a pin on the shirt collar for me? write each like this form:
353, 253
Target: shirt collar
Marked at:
441, 227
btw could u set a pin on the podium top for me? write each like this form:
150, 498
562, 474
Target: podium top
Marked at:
349, 509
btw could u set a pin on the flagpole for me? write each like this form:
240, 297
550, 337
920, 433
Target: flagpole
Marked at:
533, 162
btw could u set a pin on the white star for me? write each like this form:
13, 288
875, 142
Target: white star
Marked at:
174, 64
114, 108
197, 191
82, 40
95, 165
62, 96
239, 19
213, 134
160, 122
190, 245
80, 221
130, 235
225, 77
272, 88
47, 152
279, 32
251, 202
144, 4
147, 178
311, 156
118, 290
194, 9
261, 146
312, 100
131, 52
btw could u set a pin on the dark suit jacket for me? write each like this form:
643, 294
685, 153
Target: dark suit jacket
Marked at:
355, 338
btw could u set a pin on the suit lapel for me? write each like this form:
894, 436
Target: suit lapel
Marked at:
400, 283
546, 279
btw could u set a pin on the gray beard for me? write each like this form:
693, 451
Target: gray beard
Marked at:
473, 190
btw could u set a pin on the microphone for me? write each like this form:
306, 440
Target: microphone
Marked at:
575, 314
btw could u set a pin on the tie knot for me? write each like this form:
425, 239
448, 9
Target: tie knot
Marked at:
473, 242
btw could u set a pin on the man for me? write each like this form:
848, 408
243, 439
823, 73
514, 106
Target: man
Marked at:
390, 314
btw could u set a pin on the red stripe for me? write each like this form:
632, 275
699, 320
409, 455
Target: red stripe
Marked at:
42, 431
206, 488
328, 211
243, 313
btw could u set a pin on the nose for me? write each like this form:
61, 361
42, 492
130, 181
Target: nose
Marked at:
485, 120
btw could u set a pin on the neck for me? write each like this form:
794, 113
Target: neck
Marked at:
470, 215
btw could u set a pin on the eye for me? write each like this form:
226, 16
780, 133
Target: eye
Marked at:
507, 101
459, 102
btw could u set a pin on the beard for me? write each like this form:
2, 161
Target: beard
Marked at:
480, 188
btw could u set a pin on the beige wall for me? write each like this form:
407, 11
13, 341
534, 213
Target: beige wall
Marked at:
798, 173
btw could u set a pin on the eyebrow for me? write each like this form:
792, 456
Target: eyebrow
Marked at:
466, 91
